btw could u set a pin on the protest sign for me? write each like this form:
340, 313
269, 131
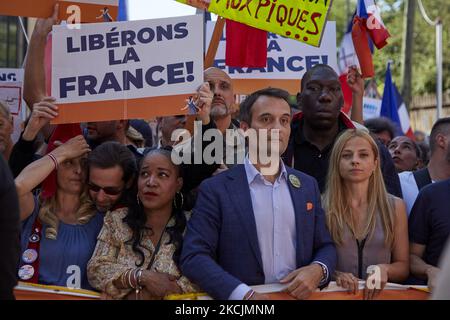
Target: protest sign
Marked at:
11, 95
300, 20
126, 70
85, 10
371, 108
11, 81
11, 84
287, 62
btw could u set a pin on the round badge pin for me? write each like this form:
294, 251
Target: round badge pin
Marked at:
26, 272
294, 181
29, 256
34, 238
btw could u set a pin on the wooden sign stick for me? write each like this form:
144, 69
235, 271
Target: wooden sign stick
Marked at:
214, 43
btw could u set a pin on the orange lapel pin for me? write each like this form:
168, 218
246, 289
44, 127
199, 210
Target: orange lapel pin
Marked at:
309, 206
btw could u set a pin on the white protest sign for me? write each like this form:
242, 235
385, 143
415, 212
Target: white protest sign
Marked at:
119, 68
11, 90
11, 81
11, 96
371, 108
11, 75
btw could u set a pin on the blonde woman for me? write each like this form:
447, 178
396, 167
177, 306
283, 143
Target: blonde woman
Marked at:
60, 225
368, 225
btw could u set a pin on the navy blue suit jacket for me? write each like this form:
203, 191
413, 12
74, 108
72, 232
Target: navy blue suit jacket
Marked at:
221, 249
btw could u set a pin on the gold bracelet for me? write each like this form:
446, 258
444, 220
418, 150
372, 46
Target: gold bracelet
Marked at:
123, 278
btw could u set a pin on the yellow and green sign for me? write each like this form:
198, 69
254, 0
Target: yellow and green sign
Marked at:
302, 20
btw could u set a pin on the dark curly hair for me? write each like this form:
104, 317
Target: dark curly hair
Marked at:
136, 217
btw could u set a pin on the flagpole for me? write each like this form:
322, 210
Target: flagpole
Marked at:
214, 44
439, 67
438, 25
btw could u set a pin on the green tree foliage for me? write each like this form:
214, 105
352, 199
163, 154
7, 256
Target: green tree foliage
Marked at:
424, 51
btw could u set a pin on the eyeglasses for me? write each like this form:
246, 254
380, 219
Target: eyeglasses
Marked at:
112, 191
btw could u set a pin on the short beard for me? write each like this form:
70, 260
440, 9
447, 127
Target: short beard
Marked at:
219, 111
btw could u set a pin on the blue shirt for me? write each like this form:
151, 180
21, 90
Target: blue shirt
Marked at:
429, 222
70, 252
275, 225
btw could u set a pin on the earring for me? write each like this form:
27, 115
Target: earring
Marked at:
138, 201
182, 200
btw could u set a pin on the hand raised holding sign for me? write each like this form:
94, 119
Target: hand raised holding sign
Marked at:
43, 112
44, 26
203, 103
355, 81
201, 4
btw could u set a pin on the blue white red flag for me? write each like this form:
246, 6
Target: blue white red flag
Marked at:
368, 27
394, 108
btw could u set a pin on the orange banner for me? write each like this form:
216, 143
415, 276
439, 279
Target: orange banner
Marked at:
140, 108
86, 10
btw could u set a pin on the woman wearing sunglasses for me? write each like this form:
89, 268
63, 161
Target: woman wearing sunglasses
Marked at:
60, 225
138, 249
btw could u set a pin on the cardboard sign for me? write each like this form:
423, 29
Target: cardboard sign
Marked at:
287, 62
300, 20
11, 81
86, 10
126, 70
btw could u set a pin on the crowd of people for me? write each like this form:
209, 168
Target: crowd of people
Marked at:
103, 206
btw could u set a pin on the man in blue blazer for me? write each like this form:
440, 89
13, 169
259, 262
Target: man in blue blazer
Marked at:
259, 222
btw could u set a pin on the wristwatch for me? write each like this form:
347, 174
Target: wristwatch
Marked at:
324, 271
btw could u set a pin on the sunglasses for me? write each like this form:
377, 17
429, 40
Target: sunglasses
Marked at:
112, 191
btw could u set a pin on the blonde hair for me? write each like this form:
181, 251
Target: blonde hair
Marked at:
47, 214
336, 200
135, 137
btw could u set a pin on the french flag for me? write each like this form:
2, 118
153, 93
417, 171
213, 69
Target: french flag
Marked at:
346, 54
346, 58
368, 27
394, 108
368, 10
